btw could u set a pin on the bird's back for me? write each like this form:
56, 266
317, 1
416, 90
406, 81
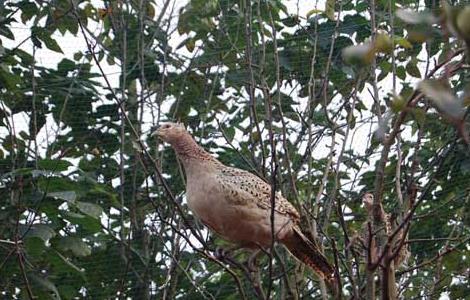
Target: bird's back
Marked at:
237, 205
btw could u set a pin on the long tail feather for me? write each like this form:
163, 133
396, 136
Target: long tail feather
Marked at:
308, 253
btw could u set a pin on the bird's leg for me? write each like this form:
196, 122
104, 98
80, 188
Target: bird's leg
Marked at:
251, 262
254, 273
222, 253
219, 253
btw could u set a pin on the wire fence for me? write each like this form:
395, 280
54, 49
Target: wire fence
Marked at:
146, 247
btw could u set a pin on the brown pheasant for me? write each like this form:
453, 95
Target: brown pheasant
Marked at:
237, 204
404, 253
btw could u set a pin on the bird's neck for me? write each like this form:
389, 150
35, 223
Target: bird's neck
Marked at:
189, 151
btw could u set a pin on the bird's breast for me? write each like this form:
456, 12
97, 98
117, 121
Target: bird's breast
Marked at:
202, 202
243, 223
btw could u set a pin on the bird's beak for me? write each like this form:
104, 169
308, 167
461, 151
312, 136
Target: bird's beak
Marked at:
156, 133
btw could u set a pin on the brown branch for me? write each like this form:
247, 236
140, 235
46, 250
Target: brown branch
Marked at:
370, 287
23, 271
430, 240
337, 288
401, 243
204, 252
4, 261
247, 162
430, 261
252, 85
323, 183
380, 170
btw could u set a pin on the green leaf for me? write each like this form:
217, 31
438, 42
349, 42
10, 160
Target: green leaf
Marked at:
45, 284
41, 231
401, 72
5, 31
412, 69
313, 11
383, 44
8, 79
330, 9
230, 133
291, 21
34, 246
21, 171
110, 60
78, 55
89, 224
398, 104
68, 196
285, 61
190, 44
25, 57
75, 245
420, 116
91, 209
150, 11
60, 184
55, 165
70, 24
45, 37
401, 41
65, 66
28, 10
351, 121
65, 261
465, 167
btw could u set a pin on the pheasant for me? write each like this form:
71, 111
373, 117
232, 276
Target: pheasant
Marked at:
403, 253
236, 204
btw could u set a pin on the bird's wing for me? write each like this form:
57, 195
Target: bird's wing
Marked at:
245, 188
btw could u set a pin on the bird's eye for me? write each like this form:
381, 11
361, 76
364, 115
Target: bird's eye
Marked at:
166, 126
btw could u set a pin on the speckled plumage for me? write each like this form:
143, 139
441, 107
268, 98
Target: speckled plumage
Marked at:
404, 253
236, 204
243, 186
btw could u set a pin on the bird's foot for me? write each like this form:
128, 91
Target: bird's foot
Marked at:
251, 263
251, 267
221, 253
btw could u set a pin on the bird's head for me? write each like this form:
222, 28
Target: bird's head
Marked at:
170, 132
368, 200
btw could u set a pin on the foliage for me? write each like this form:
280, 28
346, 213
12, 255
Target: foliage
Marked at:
329, 103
